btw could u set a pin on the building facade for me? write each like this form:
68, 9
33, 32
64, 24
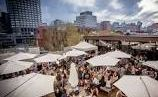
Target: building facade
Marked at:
127, 27
58, 22
25, 17
86, 20
5, 26
105, 25
6, 37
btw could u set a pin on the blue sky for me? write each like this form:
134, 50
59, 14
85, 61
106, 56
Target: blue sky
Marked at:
113, 10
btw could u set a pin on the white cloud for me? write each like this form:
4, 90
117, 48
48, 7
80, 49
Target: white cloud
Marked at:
148, 13
148, 6
81, 3
46, 15
110, 16
116, 4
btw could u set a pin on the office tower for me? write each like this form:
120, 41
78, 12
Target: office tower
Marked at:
105, 25
25, 16
6, 38
86, 19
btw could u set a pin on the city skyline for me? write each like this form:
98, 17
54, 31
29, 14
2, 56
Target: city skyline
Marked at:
111, 10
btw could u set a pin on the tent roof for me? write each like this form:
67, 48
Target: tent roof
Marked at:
84, 46
14, 66
102, 43
152, 64
74, 53
30, 85
21, 56
145, 46
103, 60
73, 78
118, 54
138, 86
47, 58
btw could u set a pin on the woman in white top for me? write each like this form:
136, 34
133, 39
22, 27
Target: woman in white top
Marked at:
114, 77
108, 82
95, 81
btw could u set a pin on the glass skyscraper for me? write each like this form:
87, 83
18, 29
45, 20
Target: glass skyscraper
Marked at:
25, 17
86, 19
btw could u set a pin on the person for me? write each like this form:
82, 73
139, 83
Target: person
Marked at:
94, 91
108, 83
102, 82
64, 94
77, 90
95, 81
120, 94
122, 71
133, 70
115, 76
58, 93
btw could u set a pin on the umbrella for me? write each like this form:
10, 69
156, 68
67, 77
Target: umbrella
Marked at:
74, 53
103, 60
152, 64
21, 56
73, 78
118, 54
47, 58
30, 85
84, 46
138, 86
14, 66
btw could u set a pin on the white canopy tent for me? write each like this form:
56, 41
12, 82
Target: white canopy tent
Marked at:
73, 78
102, 43
152, 64
129, 43
21, 56
103, 60
138, 86
14, 66
118, 54
84, 46
74, 53
30, 85
47, 58
145, 46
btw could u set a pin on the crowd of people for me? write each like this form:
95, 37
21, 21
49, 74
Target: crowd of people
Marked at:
92, 80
